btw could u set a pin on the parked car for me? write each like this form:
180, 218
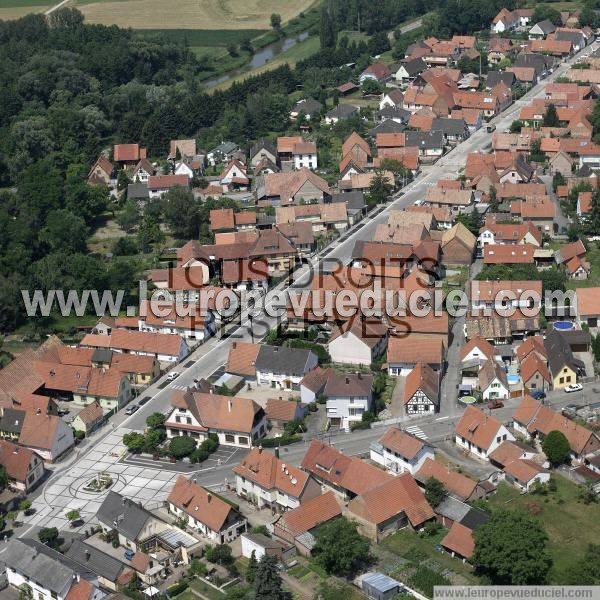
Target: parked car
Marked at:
491, 128
492, 404
574, 387
143, 400
128, 554
538, 394
172, 375
131, 409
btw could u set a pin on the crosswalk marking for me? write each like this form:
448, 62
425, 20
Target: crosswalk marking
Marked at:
180, 387
416, 431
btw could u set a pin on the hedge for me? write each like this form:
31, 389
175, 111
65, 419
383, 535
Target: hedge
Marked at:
176, 589
280, 441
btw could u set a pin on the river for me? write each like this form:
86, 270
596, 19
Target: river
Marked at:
259, 58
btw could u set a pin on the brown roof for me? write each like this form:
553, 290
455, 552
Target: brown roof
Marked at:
127, 152
222, 218
316, 379
477, 427
488, 290
199, 503
281, 410
588, 301
461, 233
398, 495
133, 363
429, 324
311, 513
286, 144
355, 140
534, 343
81, 590
423, 378
460, 540
39, 431
416, 349
161, 182
506, 452
346, 472
477, 342
234, 271
507, 254
403, 443
533, 364
214, 411
15, 459
185, 147
142, 341
370, 332
91, 414
348, 384
298, 233
458, 485
271, 473
523, 470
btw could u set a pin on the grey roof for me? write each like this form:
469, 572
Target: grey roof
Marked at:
124, 515
263, 144
393, 112
30, 558
415, 66
539, 62
12, 420
546, 26
576, 37
576, 337
279, 359
474, 518
266, 542
95, 560
495, 77
452, 508
382, 583
343, 111
560, 353
424, 139
308, 106
138, 191
225, 148
354, 199
449, 126
102, 355
388, 126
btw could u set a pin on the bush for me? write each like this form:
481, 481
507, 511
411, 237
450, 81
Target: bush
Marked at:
181, 446
176, 589
79, 435
125, 246
199, 455
284, 440
209, 445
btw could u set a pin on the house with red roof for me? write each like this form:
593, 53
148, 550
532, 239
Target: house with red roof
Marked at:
399, 451
377, 72
205, 512
480, 434
23, 466
128, 154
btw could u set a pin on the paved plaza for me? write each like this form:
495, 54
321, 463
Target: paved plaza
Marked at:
136, 477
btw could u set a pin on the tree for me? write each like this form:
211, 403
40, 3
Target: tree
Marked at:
556, 448
593, 220
327, 30
339, 549
267, 583
551, 117
543, 12
434, 492
156, 420
64, 232
48, 536
129, 218
586, 570
595, 349
515, 126
370, 86
558, 179
276, 21
379, 43
379, 190
24, 505
135, 442
181, 446
510, 549
65, 17
73, 515
3, 477
252, 568
122, 180
220, 554
182, 213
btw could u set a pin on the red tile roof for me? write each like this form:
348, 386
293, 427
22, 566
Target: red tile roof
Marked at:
242, 358
16, 460
310, 514
477, 427
458, 485
460, 540
403, 443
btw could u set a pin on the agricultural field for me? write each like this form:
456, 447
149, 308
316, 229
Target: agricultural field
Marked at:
189, 14
14, 9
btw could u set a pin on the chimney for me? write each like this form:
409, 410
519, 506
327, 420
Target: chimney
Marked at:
234, 345
208, 497
275, 348
260, 449
277, 451
347, 381
281, 397
229, 405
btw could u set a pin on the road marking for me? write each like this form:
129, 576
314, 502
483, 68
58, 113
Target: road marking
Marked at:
443, 418
417, 432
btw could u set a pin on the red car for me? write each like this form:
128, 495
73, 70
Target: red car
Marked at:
495, 404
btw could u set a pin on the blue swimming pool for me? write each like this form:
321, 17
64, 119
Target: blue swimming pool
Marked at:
513, 379
563, 325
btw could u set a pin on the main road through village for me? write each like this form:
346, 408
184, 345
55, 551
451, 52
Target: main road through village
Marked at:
149, 482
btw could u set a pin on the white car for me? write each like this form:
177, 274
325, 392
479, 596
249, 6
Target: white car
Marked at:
172, 375
419, 202
574, 387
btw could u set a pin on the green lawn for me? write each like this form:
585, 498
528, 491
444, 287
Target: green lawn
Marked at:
187, 595
22, 3
201, 37
570, 524
593, 257
206, 590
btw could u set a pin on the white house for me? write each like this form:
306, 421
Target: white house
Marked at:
206, 513
259, 545
492, 382
23, 466
234, 172
498, 295
476, 350
267, 481
159, 185
480, 434
236, 421
392, 99
47, 435
183, 168
305, 155
283, 368
399, 451
358, 342
524, 473
422, 390
143, 171
348, 396
45, 572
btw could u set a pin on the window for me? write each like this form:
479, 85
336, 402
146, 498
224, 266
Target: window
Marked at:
243, 440
230, 438
177, 419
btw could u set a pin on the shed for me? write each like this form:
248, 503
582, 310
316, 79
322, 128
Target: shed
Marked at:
380, 586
